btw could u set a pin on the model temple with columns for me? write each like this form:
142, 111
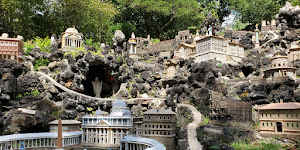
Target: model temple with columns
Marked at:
71, 38
107, 129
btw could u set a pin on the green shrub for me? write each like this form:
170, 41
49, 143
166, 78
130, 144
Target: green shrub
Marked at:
262, 145
41, 62
154, 41
28, 46
43, 44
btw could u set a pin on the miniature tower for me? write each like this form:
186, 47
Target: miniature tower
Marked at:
256, 37
132, 42
59, 136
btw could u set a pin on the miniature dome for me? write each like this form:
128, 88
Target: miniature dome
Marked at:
4, 35
126, 113
71, 30
119, 103
98, 113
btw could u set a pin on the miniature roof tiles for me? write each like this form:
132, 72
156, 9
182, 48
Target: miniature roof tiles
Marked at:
292, 105
154, 111
65, 122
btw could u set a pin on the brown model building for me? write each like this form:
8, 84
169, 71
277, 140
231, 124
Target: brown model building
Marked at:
158, 125
11, 48
280, 119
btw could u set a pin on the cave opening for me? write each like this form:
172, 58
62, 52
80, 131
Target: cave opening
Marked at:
247, 70
110, 83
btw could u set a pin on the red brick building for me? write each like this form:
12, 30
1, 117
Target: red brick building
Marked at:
11, 48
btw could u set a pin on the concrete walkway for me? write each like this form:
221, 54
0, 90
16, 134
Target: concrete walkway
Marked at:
275, 37
52, 81
194, 144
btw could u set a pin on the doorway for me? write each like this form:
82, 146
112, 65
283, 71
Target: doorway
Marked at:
279, 126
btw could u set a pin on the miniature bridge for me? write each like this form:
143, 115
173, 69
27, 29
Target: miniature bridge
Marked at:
194, 144
41, 140
134, 100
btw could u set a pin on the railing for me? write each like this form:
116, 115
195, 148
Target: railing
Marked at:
139, 143
38, 140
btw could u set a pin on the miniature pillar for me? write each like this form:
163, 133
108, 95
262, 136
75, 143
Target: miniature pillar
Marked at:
256, 37
59, 135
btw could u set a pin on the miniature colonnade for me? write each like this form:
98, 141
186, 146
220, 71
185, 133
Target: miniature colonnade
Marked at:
38, 140
138, 143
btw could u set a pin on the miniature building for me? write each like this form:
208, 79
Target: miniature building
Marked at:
184, 36
266, 26
280, 118
132, 42
214, 47
71, 38
280, 67
107, 129
222, 111
11, 48
184, 51
294, 52
158, 125
67, 125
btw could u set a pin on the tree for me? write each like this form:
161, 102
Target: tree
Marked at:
158, 17
32, 18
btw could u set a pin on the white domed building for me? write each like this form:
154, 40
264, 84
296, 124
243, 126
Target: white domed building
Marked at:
71, 38
107, 130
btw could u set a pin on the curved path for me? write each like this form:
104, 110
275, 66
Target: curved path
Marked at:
51, 80
194, 144
275, 37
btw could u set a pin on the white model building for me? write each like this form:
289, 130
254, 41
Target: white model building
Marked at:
107, 129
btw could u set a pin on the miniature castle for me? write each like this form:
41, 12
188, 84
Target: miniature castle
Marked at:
11, 48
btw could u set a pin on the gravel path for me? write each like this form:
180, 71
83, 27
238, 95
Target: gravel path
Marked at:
194, 144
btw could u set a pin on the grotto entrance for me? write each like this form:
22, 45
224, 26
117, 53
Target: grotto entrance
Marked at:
110, 84
247, 70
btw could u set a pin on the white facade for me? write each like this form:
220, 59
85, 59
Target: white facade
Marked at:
101, 129
71, 38
218, 48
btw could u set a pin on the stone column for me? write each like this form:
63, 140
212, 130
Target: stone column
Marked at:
59, 135
126, 145
131, 49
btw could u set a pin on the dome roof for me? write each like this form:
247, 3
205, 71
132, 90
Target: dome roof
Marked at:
119, 103
71, 30
126, 113
98, 112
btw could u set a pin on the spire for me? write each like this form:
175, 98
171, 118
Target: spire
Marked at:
59, 135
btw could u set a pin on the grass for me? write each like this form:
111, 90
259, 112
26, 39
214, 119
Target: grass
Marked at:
81, 49
262, 145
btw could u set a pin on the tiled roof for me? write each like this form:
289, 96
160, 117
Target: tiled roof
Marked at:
292, 105
154, 111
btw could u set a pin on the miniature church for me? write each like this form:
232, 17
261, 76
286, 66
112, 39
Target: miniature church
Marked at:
71, 38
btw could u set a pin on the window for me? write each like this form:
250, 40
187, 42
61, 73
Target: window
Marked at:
15, 44
145, 126
292, 115
263, 124
156, 126
292, 124
271, 124
287, 124
10, 44
267, 124
2, 43
270, 115
297, 125
287, 115
160, 126
165, 126
296, 115
278, 115
168, 117
262, 115
6, 44
266, 115
169, 126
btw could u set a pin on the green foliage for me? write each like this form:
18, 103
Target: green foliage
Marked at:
44, 17
238, 25
89, 109
154, 41
32, 93
28, 46
262, 145
56, 114
204, 121
43, 44
149, 61
75, 51
41, 62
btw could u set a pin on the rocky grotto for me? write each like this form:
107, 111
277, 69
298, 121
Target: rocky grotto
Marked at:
215, 103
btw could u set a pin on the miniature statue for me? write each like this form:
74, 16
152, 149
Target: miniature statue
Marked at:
210, 30
97, 86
